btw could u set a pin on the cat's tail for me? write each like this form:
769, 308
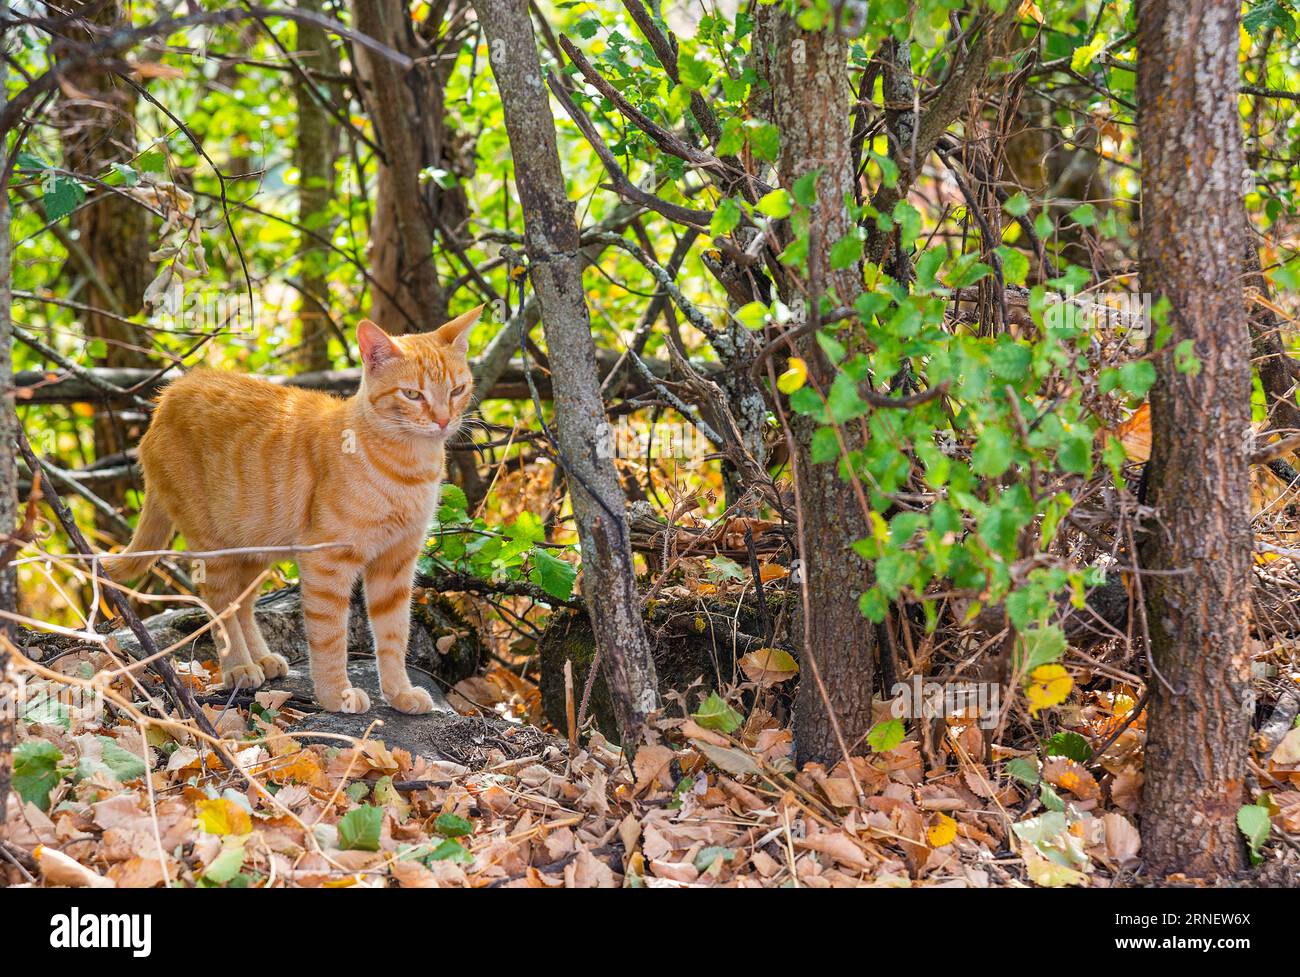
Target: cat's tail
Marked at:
153, 532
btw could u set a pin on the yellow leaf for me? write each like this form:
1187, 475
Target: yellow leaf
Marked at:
1044, 872
223, 816
795, 376
769, 666
1029, 9
1050, 686
772, 571
305, 769
942, 832
346, 882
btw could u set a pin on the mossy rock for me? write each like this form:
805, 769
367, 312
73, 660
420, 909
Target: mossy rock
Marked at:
279, 616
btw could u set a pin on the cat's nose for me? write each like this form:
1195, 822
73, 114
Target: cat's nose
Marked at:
441, 421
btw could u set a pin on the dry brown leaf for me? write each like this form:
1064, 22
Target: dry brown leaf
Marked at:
674, 871
651, 765
769, 666
1126, 791
1287, 751
1071, 775
589, 872
1122, 840
839, 846
142, 872
58, 869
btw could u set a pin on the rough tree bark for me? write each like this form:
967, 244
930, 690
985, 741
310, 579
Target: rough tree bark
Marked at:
811, 107
555, 263
8, 465
316, 152
98, 129
407, 111
1198, 605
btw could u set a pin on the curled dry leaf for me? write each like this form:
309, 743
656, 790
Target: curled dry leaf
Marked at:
1070, 775
59, 869
1288, 751
839, 846
651, 765
1122, 840
769, 666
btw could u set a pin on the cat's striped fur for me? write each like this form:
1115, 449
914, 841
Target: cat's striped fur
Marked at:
235, 462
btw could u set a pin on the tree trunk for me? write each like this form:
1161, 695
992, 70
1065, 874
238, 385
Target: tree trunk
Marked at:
8, 466
555, 262
317, 149
98, 129
811, 106
1198, 601
419, 195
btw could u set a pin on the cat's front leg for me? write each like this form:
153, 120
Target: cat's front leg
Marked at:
327, 578
388, 601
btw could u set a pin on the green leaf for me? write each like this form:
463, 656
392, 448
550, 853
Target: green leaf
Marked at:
452, 825
36, 771
752, 315
843, 401
1185, 359
225, 866
805, 188
725, 218
993, 453
553, 575
765, 141
359, 829
1017, 204
1023, 770
1254, 823
1010, 360
714, 853
776, 205
1068, 744
153, 161
1015, 265
453, 504
121, 764
1269, 13
886, 735
694, 74
847, 251
1084, 55
61, 195
1137, 377
715, 713
908, 219
1085, 215
451, 851
1042, 646
873, 604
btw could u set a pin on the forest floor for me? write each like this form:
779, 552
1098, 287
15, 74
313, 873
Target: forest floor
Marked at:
115, 798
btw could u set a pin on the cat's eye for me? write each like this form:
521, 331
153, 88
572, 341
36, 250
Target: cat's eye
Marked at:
458, 391
410, 394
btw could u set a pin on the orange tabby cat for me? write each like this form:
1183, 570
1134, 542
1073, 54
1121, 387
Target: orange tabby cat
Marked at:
236, 462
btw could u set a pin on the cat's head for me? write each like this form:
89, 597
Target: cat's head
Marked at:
418, 384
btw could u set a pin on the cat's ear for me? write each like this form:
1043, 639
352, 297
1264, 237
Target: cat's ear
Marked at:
377, 347
456, 333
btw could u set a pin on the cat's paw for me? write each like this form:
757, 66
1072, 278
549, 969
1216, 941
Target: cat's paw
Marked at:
248, 676
273, 665
414, 701
349, 699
